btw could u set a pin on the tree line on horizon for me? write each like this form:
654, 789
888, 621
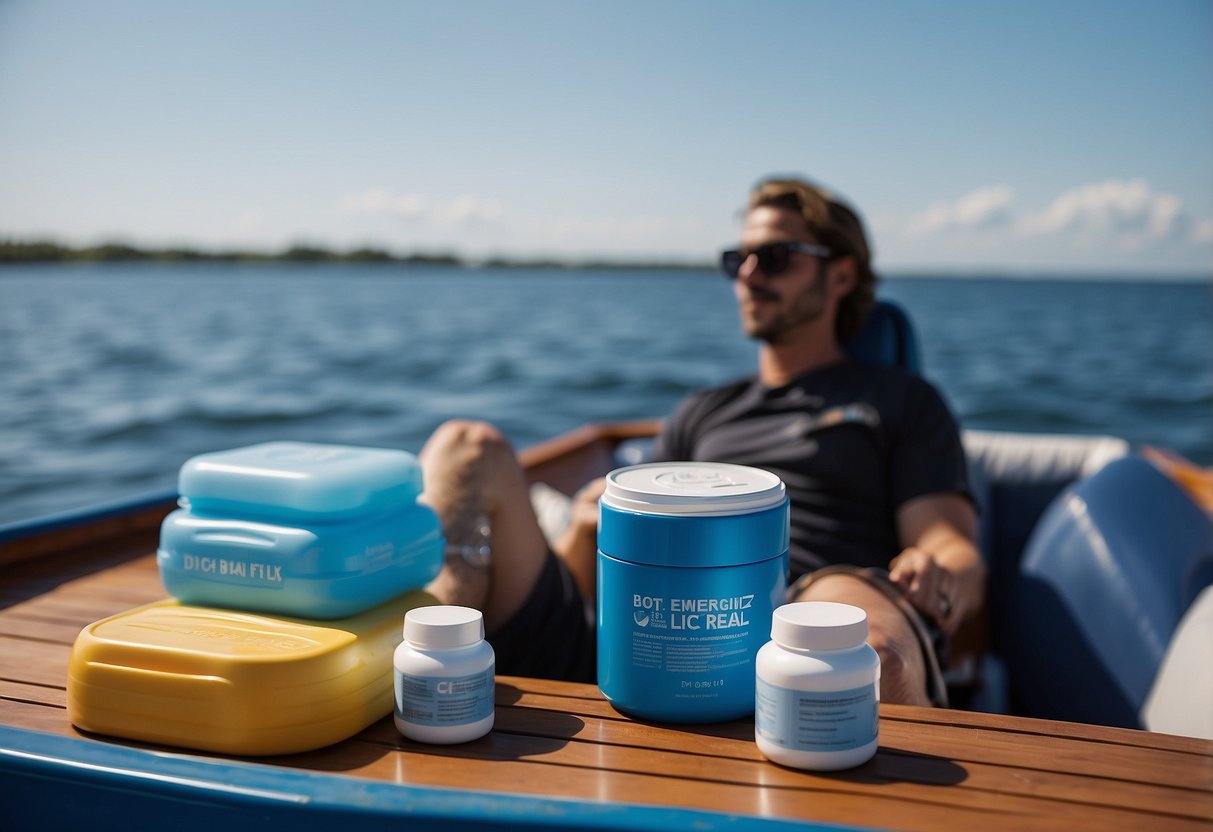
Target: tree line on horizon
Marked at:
41, 251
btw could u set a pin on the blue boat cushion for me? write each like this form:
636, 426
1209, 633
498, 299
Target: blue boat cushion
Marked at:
1015, 477
887, 337
1106, 577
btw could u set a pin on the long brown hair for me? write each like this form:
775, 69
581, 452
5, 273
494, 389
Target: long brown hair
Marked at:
836, 225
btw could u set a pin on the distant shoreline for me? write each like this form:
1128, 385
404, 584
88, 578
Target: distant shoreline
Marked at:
15, 252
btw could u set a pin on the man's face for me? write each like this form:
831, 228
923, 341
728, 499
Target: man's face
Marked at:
774, 308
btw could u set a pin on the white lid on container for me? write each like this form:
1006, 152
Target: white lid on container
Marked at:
699, 488
819, 625
442, 628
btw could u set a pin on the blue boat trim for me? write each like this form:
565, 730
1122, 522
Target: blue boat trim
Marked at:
182, 791
58, 521
110, 783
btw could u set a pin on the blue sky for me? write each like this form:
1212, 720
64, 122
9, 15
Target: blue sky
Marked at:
1038, 136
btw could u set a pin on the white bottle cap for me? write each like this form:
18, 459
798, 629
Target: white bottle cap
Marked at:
442, 628
819, 625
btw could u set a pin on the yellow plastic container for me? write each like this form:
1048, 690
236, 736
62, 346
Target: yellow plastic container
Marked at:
235, 682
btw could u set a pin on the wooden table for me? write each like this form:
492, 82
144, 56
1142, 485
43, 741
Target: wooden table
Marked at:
935, 769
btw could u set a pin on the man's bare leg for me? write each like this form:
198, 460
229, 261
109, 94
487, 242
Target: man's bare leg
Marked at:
577, 546
471, 473
903, 673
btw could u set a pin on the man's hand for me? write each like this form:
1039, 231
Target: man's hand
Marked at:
940, 570
928, 586
584, 512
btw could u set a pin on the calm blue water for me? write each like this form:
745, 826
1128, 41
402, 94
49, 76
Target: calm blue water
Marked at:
111, 376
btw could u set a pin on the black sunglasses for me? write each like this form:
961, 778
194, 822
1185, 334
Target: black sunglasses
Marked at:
773, 258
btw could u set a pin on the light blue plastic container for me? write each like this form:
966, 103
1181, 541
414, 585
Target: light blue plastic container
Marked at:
692, 562
300, 481
301, 529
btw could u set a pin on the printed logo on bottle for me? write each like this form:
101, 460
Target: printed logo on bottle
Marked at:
802, 720
691, 614
450, 700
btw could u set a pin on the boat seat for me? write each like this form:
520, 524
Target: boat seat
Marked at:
1109, 572
1014, 477
887, 337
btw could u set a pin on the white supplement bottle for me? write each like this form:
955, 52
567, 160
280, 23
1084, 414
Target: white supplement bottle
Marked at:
444, 676
817, 690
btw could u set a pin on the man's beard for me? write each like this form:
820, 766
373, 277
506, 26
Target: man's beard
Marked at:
805, 308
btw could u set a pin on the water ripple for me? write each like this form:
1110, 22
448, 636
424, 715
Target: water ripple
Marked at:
110, 377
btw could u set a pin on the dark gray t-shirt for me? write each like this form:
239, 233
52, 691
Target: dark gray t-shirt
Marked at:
852, 443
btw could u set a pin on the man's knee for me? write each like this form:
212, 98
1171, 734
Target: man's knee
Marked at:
466, 443
902, 675
902, 671
470, 469
468, 433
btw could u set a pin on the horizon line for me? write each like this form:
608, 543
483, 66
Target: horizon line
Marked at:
28, 251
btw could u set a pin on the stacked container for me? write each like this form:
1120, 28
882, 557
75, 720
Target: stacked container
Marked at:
318, 531
293, 565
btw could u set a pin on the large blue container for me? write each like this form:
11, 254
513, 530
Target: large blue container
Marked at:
692, 562
301, 529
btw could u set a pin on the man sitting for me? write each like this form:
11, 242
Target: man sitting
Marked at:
870, 456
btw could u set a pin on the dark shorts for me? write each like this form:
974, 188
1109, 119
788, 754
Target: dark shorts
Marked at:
551, 636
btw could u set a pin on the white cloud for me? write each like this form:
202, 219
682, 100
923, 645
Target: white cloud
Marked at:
466, 209
1127, 215
471, 209
1202, 232
1130, 210
609, 230
381, 202
250, 221
983, 208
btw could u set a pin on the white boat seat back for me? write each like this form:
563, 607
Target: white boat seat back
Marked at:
1181, 698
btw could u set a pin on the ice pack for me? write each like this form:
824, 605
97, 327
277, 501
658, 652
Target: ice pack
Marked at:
300, 482
316, 531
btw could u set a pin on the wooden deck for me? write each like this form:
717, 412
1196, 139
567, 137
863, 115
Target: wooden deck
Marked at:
934, 769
